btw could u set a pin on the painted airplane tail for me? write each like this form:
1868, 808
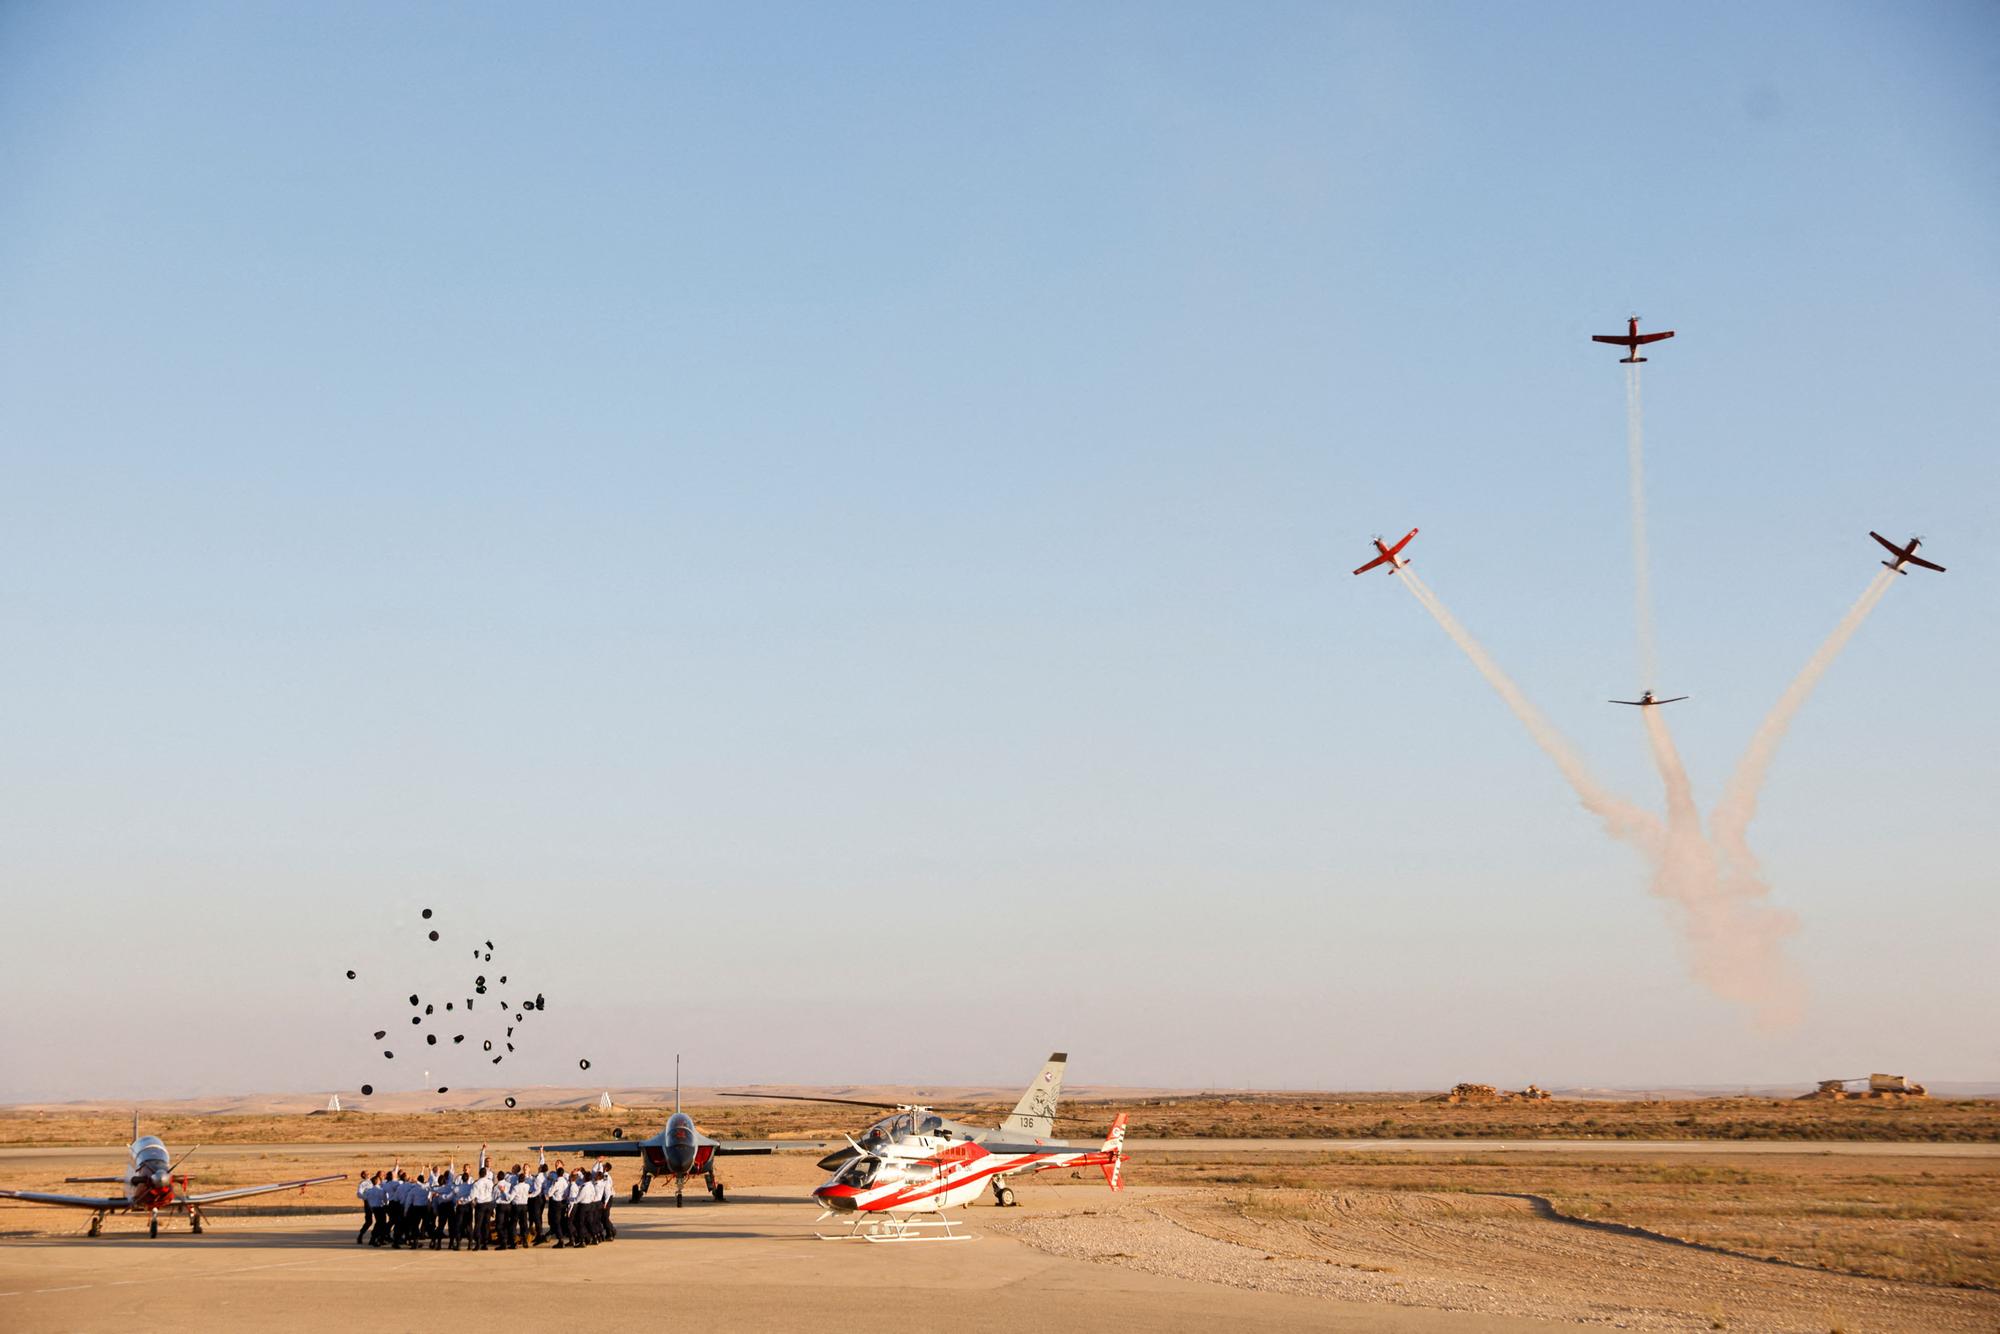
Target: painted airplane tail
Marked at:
1114, 1149
1034, 1117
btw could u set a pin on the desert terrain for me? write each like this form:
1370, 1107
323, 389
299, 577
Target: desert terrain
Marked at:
1265, 1210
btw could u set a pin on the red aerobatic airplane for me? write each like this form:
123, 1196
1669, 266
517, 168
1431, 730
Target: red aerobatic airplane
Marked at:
1630, 340
1389, 554
1905, 555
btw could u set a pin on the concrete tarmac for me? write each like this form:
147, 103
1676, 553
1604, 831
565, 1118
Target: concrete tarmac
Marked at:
752, 1265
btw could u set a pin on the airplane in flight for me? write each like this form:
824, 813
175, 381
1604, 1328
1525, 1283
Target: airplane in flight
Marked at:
1033, 1120
1646, 700
679, 1151
1905, 555
1631, 340
888, 1187
1389, 554
148, 1183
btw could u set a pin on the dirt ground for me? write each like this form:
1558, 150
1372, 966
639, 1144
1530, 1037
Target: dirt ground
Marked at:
1152, 1116
1672, 1236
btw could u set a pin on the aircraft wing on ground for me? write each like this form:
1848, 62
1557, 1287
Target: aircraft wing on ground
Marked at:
72, 1201
608, 1148
239, 1192
1047, 1146
769, 1145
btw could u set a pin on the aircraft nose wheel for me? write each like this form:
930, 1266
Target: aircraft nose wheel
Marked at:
637, 1194
716, 1191
153, 1228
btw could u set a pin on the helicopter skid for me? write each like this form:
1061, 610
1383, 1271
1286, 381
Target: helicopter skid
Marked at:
885, 1228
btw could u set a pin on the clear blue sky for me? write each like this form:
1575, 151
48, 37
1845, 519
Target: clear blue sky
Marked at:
827, 530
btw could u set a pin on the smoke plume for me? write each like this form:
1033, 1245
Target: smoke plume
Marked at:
1621, 818
1642, 559
1735, 943
1741, 876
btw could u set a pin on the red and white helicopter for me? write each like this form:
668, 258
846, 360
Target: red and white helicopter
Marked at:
148, 1184
888, 1187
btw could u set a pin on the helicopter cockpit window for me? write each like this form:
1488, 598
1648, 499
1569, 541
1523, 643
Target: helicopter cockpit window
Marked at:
860, 1171
931, 1125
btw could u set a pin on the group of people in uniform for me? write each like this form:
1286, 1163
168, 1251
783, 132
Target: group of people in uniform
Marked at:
487, 1208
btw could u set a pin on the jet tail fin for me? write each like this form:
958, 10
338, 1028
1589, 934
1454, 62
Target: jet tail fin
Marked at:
1034, 1117
1114, 1147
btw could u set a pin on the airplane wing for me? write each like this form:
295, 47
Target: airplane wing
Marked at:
723, 1146
1371, 565
1885, 542
95, 1181
1919, 560
1653, 337
217, 1196
1635, 703
1048, 1146
1623, 340
72, 1201
606, 1148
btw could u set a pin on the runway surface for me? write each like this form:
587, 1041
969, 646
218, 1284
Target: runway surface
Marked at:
749, 1266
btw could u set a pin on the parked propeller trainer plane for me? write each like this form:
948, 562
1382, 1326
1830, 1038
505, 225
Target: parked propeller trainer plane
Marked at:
149, 1187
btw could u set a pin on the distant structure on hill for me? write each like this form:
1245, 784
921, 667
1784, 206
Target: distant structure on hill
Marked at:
604, 1103
1488, 1093
1878, 1086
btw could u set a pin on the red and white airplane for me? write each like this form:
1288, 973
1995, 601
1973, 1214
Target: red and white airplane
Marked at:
1905, 555
1631, 340
887, 1187
149, 1186
1389, 554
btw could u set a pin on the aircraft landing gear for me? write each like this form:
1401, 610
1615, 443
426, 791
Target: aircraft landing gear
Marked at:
1003, 1194
194, 1221
96, 1222
714, 1188
680, 1183
153, 1228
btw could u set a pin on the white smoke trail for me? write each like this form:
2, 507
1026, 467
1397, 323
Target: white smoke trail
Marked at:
1735, 945
1642, 560
1621, 818
1730, 821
